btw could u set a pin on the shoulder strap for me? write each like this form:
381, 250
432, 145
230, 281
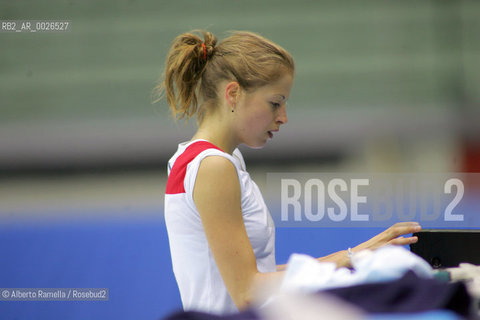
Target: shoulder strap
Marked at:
179, 169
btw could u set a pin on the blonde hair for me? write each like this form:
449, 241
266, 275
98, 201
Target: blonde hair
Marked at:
194, 68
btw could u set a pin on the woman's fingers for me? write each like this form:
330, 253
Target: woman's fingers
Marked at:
393, 235
401, 241
403, 228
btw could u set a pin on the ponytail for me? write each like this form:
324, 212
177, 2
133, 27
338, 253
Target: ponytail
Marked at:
184, 67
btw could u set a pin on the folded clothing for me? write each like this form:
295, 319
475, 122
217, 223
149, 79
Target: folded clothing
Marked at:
410, 293
306, 274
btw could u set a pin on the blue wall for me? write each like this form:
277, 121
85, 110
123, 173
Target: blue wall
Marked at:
131, 258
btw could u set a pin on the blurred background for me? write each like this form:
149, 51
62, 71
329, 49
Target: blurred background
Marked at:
380, 86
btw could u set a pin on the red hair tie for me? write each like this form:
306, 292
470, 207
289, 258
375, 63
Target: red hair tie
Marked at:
204, 51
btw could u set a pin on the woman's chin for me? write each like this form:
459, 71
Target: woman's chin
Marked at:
256, 145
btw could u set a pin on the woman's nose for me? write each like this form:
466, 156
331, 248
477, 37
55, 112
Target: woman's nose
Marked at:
282, 115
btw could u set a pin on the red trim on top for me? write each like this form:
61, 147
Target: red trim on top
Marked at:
179, 169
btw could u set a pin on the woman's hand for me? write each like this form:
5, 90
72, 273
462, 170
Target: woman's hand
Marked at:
393, 235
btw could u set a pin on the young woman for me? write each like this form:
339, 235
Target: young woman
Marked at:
221, 233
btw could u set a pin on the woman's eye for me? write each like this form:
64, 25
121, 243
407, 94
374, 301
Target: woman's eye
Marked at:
275, 105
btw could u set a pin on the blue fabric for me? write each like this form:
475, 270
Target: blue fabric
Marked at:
407, 294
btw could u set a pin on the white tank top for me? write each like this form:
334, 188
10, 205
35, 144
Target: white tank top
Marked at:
200, 283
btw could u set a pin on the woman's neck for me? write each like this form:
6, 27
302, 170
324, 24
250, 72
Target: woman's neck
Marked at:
217, 132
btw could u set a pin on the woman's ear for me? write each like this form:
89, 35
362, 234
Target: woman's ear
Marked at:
232, 93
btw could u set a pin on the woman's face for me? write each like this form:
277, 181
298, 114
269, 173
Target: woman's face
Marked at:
260, 113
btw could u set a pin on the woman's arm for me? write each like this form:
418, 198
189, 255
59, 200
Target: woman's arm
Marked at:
393, 235
281, 267
217, 196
